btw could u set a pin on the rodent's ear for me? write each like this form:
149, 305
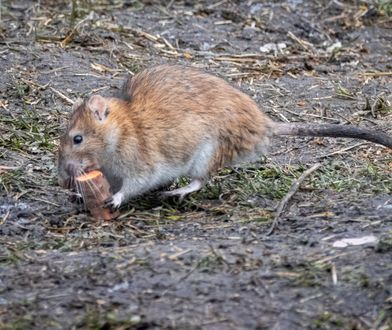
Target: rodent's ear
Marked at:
77, 104
98, 106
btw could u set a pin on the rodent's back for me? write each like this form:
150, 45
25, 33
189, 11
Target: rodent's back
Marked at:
174, 109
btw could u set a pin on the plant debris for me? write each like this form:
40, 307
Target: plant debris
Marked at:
204, 263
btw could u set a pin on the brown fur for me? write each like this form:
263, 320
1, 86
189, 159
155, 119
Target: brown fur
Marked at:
174, 121
165, 114
174, 107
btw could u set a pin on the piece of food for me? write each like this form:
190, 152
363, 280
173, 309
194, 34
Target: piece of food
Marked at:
89, 176
96, 190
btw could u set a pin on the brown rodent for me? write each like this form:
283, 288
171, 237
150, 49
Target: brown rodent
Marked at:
173, 121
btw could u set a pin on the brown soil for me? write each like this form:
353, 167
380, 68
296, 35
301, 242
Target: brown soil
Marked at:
205, 263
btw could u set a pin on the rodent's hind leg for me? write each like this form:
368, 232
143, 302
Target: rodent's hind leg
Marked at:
194, 185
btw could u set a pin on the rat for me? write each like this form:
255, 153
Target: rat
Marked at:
172, 121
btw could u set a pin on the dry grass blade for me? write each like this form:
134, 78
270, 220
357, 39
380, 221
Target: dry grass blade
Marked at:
293, 189
62, 96
305, 44
341, 151
4, 219
4, 169
69, 37
377, 74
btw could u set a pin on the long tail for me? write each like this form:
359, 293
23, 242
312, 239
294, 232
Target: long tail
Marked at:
333, 130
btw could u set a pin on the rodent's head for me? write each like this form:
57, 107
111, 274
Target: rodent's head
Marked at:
82, 147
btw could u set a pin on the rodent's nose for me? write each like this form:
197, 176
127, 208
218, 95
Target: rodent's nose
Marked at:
72, 168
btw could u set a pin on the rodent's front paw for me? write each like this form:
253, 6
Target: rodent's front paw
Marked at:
115, 201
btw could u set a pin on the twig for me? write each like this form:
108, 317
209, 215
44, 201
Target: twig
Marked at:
376, 74
293, 189
340, 151
280, 115
2, 222
69, 37
167, 43
334, 274
169, 4
306, 45
216, 4
4, 104
45, 201
65, 98
8, 168
214, 322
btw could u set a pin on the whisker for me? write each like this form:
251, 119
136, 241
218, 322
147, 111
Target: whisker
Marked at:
94, 188
74, 187
72, 182
81, 190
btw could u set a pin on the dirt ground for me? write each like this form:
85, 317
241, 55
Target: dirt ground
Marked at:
205, 263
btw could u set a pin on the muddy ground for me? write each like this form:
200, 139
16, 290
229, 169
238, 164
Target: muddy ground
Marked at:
205, 263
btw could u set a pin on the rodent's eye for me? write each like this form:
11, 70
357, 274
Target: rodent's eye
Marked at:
78, 139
